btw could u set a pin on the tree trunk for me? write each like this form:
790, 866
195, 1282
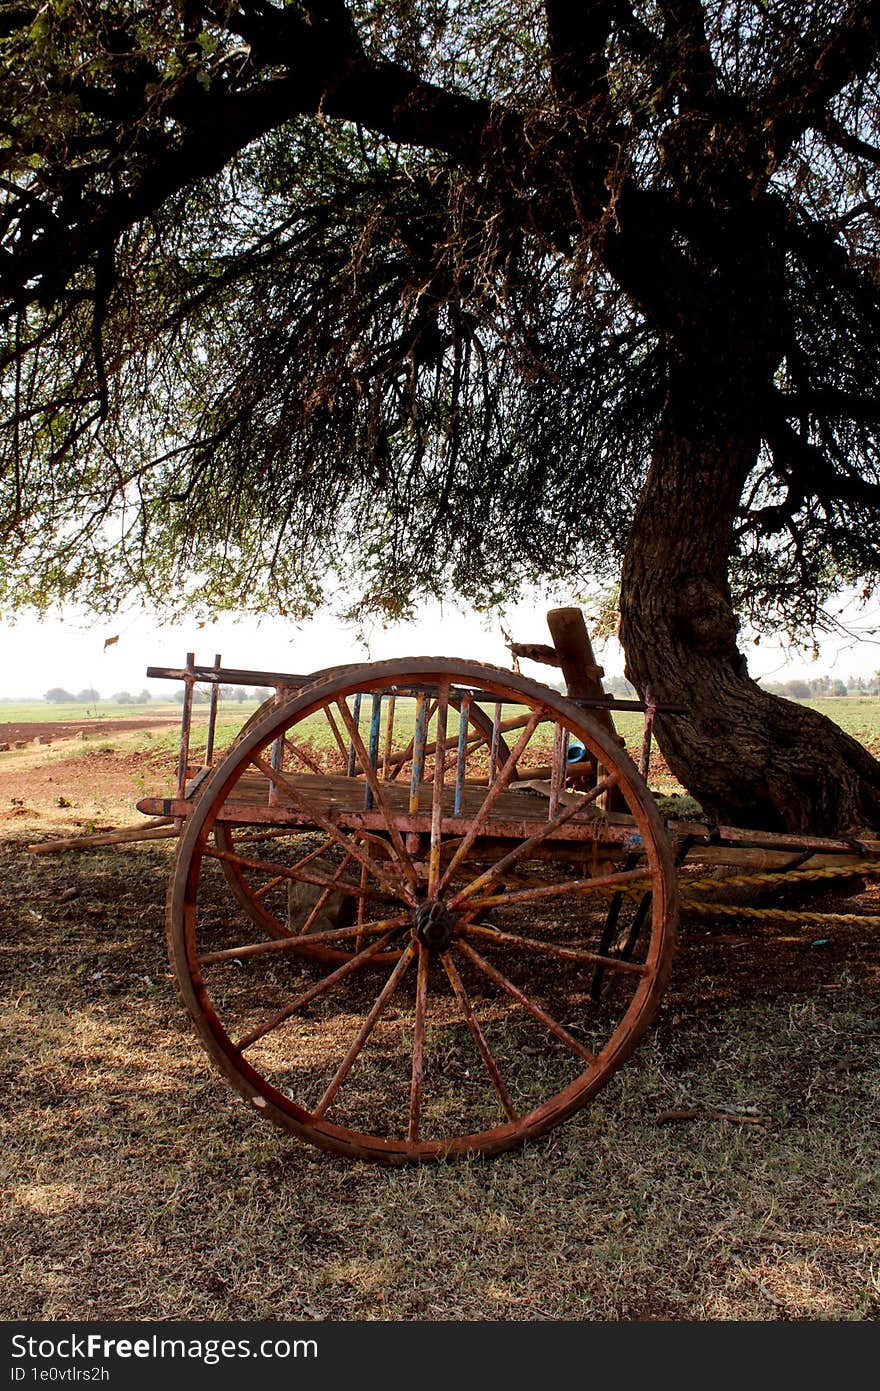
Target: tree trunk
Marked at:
750, 758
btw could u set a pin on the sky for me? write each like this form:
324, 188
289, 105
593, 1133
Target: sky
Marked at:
69, 650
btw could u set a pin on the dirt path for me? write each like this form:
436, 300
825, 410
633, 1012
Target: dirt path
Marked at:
75, 785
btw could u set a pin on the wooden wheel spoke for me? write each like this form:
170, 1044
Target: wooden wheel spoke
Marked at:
327, 893
297, 864
418, 1054
297, 752
293, 872
478, 1036
343, 748
282, 944
597, 884
529, 1005
495, 791
268, 886
525, 847
280, 878
553, 949
364, 1031
323, 985
398, 889
376, 789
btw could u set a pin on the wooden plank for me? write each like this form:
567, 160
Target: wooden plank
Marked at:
159, 830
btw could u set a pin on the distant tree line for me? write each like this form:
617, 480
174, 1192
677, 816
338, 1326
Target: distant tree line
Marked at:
819, 686
59, 695
619, 686
202, 694
797, 689
616, 685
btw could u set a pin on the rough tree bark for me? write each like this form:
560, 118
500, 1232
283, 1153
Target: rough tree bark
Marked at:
749, 757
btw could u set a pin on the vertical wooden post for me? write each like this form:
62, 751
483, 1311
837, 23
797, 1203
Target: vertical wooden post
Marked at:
212, 716
185, 723
583, 675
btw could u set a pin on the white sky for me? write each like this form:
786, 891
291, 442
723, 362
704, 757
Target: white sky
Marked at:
69, 651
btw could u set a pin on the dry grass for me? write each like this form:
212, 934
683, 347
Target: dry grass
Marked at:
138, 1186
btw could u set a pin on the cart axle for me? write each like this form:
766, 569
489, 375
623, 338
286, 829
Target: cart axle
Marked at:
435, 925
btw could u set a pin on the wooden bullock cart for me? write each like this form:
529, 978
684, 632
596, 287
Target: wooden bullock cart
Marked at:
424, 907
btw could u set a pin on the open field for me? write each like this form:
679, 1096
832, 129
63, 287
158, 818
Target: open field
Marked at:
38, 711
857, 715
137, 1185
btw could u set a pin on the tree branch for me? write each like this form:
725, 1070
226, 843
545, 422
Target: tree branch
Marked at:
807, 463
850, 144
696, 76
577, 36
797, 98
825, 401
337, 81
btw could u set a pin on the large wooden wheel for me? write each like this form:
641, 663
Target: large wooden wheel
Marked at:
458, 1011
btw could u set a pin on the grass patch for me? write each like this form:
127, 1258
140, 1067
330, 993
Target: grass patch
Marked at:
38, 711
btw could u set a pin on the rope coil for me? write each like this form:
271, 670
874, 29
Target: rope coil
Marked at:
782, 878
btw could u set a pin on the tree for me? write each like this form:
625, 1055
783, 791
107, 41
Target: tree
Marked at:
88, 696
124, 698
59, 696
451, 297
799, 690
201, 695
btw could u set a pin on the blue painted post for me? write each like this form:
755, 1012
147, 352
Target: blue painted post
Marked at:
496, 734
373, 748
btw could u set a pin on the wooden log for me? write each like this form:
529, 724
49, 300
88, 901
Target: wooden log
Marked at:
574, 651
159, 829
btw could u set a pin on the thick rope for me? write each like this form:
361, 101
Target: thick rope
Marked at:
778, 878
782, 877
733, 910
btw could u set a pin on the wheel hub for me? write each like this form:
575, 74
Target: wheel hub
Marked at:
434, 925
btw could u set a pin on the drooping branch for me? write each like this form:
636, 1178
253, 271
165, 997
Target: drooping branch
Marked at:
322, 72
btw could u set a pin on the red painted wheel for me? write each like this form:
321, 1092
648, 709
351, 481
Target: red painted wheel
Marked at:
482, 907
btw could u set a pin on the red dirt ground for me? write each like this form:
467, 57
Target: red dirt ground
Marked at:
30, 731
72, 785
